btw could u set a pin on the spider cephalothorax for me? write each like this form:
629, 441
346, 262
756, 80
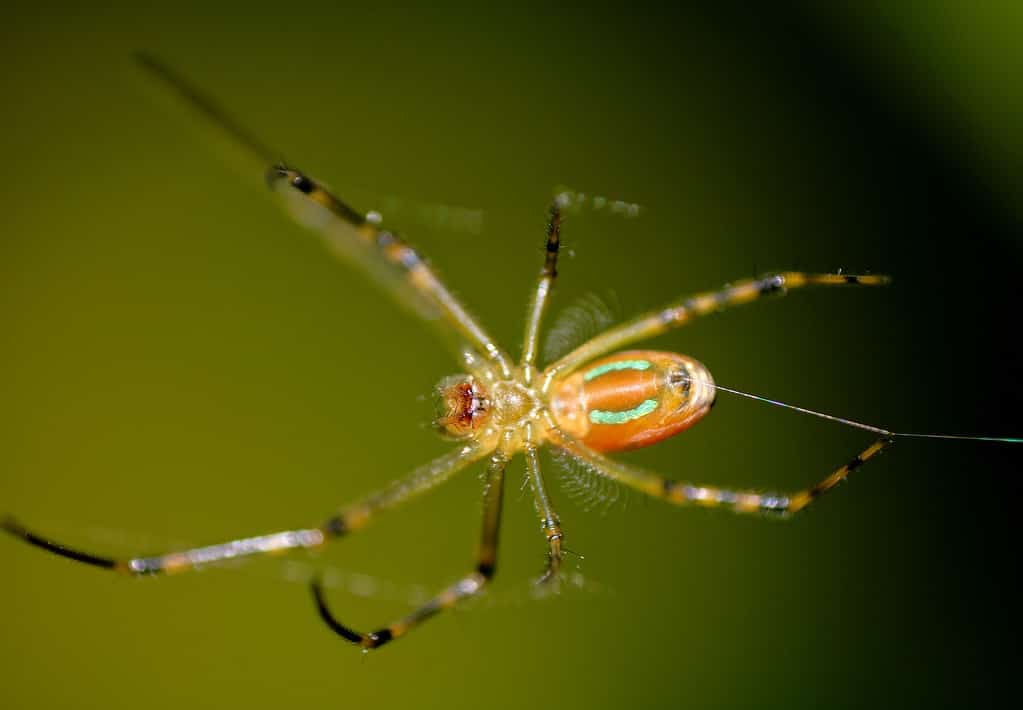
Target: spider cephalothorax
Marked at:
486, 407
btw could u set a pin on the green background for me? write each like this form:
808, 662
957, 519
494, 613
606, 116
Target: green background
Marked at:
181, 364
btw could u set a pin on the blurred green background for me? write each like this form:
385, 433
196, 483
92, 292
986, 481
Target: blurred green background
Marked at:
182, 364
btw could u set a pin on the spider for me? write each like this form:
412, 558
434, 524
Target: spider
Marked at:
598, 399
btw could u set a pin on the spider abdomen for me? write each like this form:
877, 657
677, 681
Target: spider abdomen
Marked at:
632, 399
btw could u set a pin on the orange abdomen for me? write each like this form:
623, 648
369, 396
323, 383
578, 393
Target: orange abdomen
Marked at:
632, 399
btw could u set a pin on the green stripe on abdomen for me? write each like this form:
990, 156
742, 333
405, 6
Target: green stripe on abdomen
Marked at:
600, 416
615, 366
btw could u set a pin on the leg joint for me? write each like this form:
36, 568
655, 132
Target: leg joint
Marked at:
774, 283
335, 527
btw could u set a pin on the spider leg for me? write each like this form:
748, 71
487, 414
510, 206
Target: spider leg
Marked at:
467, 586
386, 257
541, 296
681, 493
679, 313
352, 518
175, 561
550, 524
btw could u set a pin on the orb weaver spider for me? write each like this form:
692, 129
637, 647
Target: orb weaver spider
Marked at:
598, 399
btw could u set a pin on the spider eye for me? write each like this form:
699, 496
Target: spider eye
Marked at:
459, 406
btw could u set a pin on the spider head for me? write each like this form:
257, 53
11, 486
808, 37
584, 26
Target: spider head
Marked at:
461, 406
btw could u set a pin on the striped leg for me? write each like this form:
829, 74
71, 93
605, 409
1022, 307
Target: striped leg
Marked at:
467, 586
176, 561
681, 493
543, 289
353, 518
386, 256
681, 312
395, 265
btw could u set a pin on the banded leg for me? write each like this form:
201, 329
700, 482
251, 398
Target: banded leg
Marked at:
351, 519
467, 586
680, 493
550, 524
386, 256
543, 290
681, 312
392, 262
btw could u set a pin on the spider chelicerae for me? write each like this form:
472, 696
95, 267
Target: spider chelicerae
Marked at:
595, 400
